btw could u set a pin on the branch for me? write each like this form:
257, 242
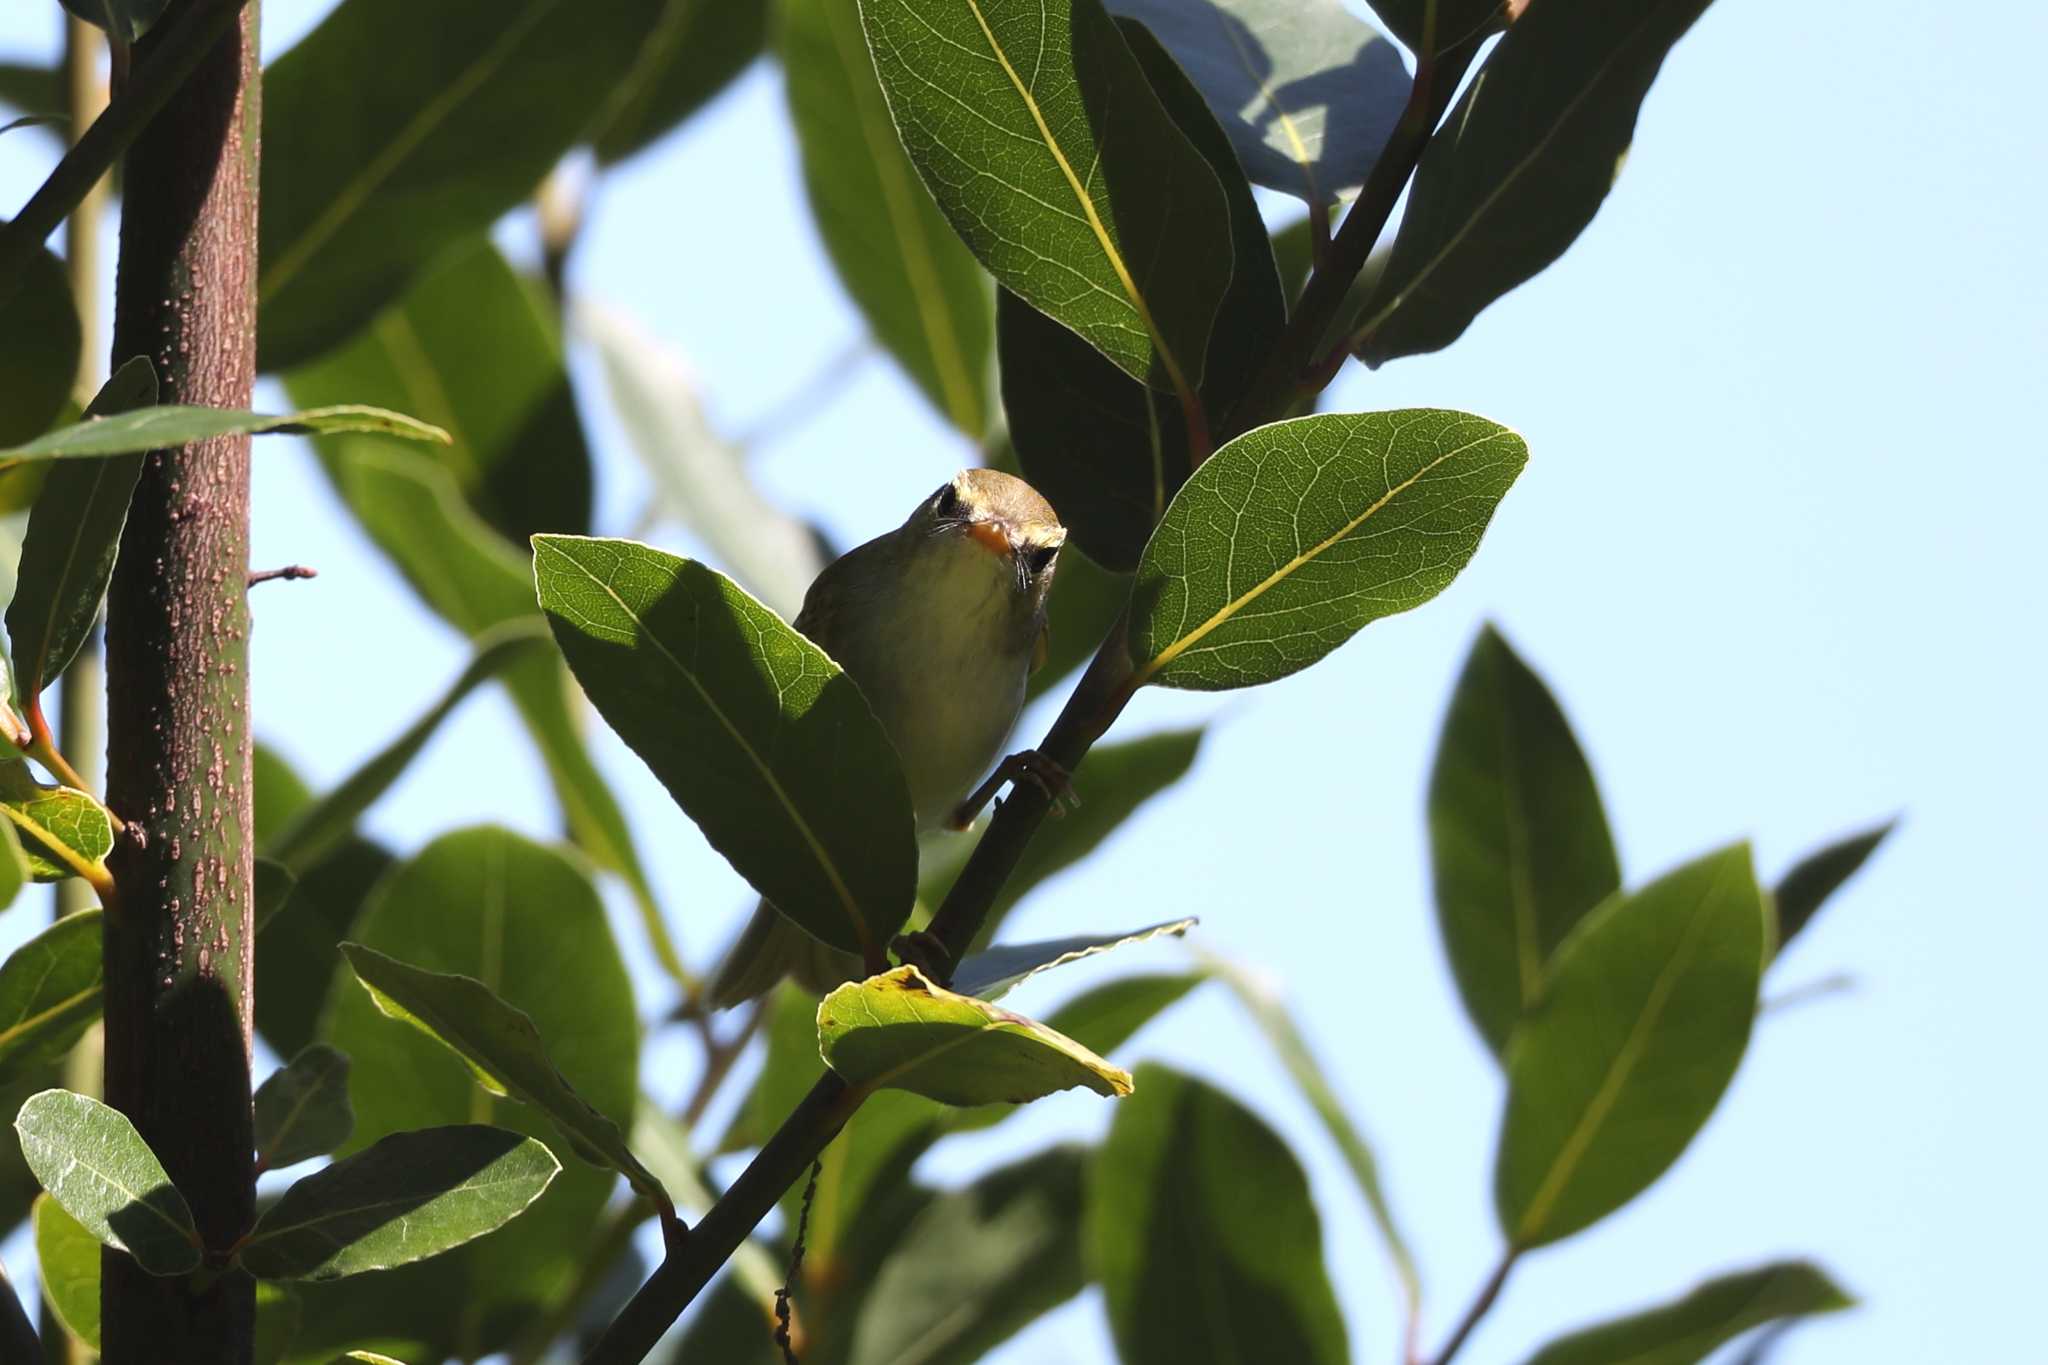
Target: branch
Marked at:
149, 89
1488, 1292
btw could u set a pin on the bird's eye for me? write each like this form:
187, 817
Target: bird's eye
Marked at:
947, 502
1041, 558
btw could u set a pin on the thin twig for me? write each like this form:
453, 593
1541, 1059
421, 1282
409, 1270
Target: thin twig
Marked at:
796, 1267
289, 573
719, 1056
1488, 1292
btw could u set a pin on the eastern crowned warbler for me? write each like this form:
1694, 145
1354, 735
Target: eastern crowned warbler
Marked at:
939, 623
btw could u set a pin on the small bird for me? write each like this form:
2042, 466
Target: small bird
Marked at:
940, 623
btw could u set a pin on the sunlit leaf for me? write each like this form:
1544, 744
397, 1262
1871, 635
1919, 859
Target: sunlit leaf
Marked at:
63, 831
755, 731
68, 1264
405, 1198
1293, 536
1006, 109
1520, 166
1688, 1330
1518, 838
177, 424
94, 1163
1645, 1013
899, 1030
1194, 1201
919, 288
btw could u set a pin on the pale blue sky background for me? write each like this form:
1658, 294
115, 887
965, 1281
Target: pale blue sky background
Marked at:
1776, 550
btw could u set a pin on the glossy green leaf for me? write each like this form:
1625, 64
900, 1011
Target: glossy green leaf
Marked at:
1518, 838
1294, 535
61, 828
94, 1163
700, 479
516, 447
1105, 450
692, 50
1307, 91
178, 424
1803, 890
326, 823
526, 922
303, 1110
1006, 107
1193, 1200
49, 994
977, 1264
1645, 1013
39, 347
994, 973
753, 729
67, 553
68, 1264
125, 20
897, 1030
923, 295
403, 1199
1284, 1036
1688, 1330
1115, 782
392, 131
502, 1046
295, 951
1521, 165
474, 580
14, 869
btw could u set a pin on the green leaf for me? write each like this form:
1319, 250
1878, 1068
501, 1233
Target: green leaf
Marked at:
692, 50
527, 922
407, 1197
272, 892
1195, 1201
993, 974
1688, 1330
303, 1111
474, 580
1116, 781
699, 479
1005, 108
39, 347
392, 131
1520, 166
68, 1264
753, 729
1271, 1015
94, 1163
977, 1264
177, 424
1307, 91
1645, 1012
32, 87
1294, 535
504, 1048
1104, 449
125, 20
67, 553
1518, 838
322, 826
1457, 21
516, 448
1803, 890
61, 828
295, 951
14, 868
897, 1030
49, 994
920, 290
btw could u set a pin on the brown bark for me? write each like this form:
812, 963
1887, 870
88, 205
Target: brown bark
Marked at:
178, 992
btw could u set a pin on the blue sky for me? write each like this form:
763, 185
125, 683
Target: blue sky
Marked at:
1774, 550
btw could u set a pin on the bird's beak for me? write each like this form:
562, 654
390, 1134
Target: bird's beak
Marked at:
993, 535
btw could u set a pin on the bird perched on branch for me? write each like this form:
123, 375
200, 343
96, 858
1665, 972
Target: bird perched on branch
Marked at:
939, 622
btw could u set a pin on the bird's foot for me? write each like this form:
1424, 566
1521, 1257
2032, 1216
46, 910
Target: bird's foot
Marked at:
923, 951
1030, 766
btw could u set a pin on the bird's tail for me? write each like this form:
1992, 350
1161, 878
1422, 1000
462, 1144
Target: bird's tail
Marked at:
771, 947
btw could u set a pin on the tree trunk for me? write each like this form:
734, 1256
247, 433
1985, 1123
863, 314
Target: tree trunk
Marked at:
178, 991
